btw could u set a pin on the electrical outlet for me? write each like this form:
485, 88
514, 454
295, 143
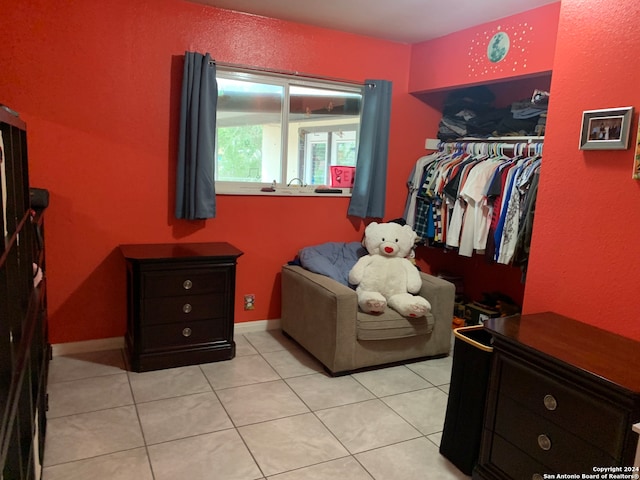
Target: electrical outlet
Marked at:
249, 300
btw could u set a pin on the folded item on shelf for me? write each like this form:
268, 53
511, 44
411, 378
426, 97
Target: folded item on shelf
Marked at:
524, 109
540, 97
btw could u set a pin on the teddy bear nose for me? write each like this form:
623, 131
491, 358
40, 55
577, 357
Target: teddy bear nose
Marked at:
388, 249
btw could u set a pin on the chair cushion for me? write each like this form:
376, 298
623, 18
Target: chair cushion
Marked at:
391, 324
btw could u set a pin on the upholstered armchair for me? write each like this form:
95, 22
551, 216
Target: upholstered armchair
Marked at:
322, 315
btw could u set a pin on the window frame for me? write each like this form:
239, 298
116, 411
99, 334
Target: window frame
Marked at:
286, 81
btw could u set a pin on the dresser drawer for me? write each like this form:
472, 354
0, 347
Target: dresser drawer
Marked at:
187, 308
565, 405
180, 335
169, 283
514, 462
545, 441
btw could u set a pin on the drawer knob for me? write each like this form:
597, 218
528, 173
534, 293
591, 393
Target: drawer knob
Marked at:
186, 308
544, 442
186, 332
536, 476
550, 402
187, 284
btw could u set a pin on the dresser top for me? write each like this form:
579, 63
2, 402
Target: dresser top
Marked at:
163, 251
6, 117
600, 352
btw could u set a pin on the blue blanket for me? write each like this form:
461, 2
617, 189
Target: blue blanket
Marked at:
333, 259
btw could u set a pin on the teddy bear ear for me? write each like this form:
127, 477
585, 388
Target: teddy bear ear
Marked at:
370, 227
368, 230
410, 232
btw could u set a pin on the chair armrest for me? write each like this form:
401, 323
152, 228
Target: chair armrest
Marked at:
441, 295
319, 313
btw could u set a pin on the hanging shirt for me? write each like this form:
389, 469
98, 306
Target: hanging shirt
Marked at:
473, 193
505, 203
423, 217
521, 255
483, 211
459, 207
414, 182
512, 220
495, 192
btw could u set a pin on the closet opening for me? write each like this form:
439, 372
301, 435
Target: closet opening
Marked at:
462, 225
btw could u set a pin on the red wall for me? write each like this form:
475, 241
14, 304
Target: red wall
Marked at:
460, 59
98, 84
583, 256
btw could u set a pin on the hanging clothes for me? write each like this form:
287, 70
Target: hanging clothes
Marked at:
517, 198
473, 198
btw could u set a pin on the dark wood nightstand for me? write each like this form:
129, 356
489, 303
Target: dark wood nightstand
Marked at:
180, 303
562, 399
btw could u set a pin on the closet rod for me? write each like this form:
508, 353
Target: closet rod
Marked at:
499, 144
290, 73
511, 138
436, 143
503, 142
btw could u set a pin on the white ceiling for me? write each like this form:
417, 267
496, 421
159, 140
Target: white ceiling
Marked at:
407, 21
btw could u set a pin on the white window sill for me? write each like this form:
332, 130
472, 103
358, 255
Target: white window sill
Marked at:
279, 191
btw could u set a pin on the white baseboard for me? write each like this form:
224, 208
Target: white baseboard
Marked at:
71, 348
115, 343
256, 326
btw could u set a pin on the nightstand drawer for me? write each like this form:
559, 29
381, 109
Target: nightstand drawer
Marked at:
183, 309
180, 335
169, 283
546, 442
565, 405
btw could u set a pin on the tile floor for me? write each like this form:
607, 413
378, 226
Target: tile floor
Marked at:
270, 413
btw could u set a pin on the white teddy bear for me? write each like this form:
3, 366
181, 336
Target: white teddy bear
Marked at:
386, 276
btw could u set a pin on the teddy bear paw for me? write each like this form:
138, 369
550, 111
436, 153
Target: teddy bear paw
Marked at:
417, 310
375, 306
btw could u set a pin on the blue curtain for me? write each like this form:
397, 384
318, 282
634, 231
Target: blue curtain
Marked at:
369, 188
195, 182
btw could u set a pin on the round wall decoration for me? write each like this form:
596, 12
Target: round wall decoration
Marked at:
498, 47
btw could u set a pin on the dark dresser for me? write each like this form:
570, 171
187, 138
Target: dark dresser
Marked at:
24, 332
180, 303
562, 399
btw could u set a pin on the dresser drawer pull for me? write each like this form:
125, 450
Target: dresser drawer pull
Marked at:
536, 476
544, 442
186, 332
550, 402
186, 308
187, 284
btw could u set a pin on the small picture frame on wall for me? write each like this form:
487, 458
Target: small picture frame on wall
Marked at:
636, 157
606, 129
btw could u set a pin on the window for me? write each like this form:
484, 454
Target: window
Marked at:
283, 129
325, 147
